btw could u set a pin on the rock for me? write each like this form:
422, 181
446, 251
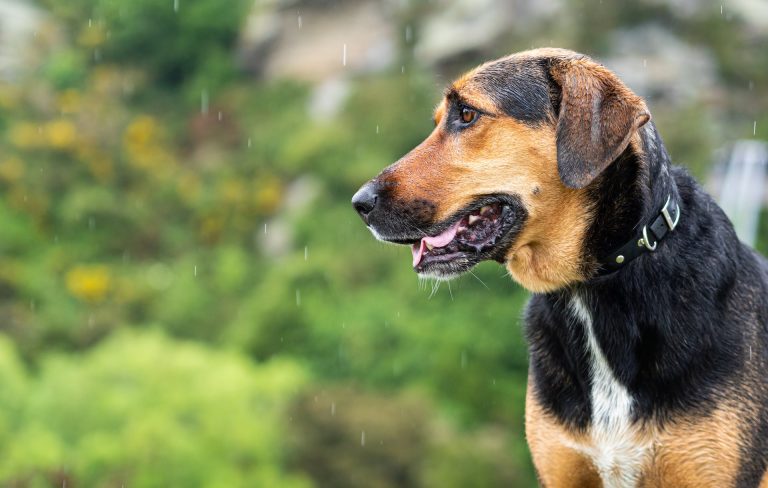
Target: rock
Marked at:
19, 21
314, 41
328, 98
475, 26
659, 66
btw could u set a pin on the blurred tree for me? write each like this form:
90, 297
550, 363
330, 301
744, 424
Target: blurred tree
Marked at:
172, 40
119, 416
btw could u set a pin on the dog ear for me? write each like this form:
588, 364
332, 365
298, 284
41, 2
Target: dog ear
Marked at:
598, 116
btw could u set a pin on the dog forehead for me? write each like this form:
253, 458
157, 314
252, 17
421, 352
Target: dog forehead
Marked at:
518, 86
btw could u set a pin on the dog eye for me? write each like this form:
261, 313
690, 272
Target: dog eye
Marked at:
468, 115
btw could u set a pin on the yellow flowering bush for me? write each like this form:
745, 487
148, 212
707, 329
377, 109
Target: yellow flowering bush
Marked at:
89, 283
61, 134
142, 144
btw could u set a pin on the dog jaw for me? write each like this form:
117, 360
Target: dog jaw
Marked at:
549, 253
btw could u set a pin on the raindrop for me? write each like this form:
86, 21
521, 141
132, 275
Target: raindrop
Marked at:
90, 22
265, 228
344, 56
249, 142
220, 116
204, 102
195, 272
298, 297
306, 252
721, 9
299, 21
645, 63
377, 129
402, 69
751, 85
362, 438
408, 33
333, 408
754, 128
175, 5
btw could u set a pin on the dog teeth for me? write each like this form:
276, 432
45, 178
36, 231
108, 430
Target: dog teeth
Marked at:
486, 209
473, 218
430, 246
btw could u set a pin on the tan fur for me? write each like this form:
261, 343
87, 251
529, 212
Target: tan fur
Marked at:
696, 452
686, 453
556, 464
502, 155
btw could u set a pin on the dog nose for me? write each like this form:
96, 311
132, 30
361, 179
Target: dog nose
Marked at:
365, 200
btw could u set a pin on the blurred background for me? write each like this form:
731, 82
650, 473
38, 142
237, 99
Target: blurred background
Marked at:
188, 299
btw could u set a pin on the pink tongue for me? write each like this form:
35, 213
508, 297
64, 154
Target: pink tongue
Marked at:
439, 240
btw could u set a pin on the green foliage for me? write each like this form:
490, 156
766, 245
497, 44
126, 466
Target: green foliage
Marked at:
349, 438
113, 417
172, 40
144, 184
66, 68
346, 438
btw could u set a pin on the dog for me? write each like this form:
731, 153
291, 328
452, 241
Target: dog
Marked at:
648, 321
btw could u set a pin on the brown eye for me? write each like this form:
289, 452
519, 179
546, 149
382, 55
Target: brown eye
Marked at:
468, 115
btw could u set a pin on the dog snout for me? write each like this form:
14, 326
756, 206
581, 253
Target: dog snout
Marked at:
365, 200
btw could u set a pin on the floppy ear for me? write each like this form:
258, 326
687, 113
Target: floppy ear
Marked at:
598, 116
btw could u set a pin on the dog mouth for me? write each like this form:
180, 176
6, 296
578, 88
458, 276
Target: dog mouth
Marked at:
483, 233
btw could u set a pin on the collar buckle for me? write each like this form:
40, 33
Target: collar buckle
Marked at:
644, 241
660, 226
668, 218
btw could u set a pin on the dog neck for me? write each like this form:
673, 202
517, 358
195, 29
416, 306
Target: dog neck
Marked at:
628, 195
646, 318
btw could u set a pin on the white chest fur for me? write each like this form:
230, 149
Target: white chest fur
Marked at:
616, 450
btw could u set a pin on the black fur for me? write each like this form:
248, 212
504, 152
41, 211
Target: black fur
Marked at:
519, 88
682, 328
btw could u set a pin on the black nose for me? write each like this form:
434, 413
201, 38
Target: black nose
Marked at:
365, 200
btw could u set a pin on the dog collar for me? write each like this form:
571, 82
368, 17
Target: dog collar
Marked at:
646, 240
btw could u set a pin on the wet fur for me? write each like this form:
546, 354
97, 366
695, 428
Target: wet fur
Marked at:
681, 334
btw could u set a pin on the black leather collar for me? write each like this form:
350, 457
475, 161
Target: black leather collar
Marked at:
646, 240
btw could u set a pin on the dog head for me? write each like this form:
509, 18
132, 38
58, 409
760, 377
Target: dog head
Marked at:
505, 174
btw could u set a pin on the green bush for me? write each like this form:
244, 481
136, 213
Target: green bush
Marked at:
172, 40
142, 410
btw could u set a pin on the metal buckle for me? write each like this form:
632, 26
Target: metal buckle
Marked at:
645, 242
668, 218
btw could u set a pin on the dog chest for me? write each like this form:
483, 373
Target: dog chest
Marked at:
616, 447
